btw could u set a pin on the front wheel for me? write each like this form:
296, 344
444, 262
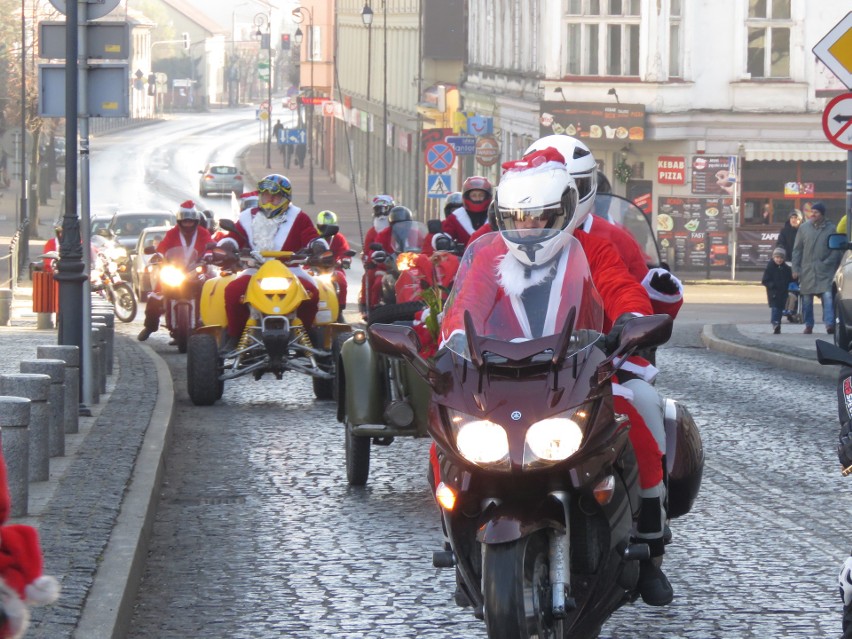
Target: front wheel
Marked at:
183, 326
357, 457
841, 333
516, 589
124, 302
202, 370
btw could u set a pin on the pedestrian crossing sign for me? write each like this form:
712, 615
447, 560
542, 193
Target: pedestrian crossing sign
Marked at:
438, 185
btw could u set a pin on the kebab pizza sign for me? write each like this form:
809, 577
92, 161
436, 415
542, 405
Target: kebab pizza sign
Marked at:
671, 169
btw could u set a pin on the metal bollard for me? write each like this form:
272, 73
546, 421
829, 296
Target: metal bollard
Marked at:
102, 365
71, 356
56, 398
36, 388
14, 422
96, 366
107, 317
5, 306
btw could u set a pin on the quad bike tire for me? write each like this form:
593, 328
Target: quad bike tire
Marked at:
391, 313
202, 370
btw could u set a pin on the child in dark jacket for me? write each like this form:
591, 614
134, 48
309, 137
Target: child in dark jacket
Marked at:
776, 279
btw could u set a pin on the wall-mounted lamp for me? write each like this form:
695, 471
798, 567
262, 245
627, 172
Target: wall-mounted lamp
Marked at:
612, 92
560, 92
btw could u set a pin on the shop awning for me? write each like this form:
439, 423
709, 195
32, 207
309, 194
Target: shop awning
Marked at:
794, 151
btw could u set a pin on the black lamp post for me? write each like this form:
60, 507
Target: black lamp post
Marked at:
367, 17
298, 37
266, 43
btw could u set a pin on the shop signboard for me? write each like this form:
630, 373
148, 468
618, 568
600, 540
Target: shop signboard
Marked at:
798, 189
593, 120
687, 224
754, 248
671, 169
714, 174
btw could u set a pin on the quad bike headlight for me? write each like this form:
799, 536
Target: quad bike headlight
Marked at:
172, 276
274, 283
480, 441
555, 438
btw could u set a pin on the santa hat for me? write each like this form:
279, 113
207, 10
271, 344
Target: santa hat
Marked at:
542, 160
248, 194
186, 207
22, 583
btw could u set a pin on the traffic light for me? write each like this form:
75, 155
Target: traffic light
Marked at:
185, 37
285, 41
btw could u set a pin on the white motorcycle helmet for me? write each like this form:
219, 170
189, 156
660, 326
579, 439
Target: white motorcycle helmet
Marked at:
547, 193
582, 166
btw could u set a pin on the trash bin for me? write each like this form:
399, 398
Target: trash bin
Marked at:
45, 292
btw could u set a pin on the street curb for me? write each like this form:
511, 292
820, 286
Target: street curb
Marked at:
786, 362
109, 605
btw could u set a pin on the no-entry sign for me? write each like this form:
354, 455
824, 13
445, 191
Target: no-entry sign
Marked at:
837, 121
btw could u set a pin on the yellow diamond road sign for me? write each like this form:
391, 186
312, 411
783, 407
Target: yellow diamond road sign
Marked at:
835, 50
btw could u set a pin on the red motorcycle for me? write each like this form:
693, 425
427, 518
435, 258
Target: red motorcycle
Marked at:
538, 482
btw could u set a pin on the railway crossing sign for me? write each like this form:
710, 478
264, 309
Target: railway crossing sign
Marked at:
837, 121
440, 157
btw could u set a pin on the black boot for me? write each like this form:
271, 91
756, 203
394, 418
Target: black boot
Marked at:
654, 587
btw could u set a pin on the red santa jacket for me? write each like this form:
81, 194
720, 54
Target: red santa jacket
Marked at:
50, 245
619, 292
172, 239
295, 232
338, 245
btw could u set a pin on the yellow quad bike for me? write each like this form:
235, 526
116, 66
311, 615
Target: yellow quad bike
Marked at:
274, 339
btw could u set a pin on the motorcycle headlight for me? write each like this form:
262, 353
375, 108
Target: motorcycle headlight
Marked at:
117, 253
555, 438
480, 441
274, 284
172, 276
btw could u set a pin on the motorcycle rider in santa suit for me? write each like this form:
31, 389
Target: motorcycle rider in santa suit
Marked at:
276, 224
464, 221
339, 245
539, 192
844, 454
192, 236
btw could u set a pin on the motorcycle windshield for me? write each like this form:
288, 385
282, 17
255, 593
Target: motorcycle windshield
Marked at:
630, 217
408, 237
507, 304
178, 255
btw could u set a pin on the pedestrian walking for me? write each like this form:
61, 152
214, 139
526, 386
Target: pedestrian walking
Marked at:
776, 279
814, 265
787, 236
301, 150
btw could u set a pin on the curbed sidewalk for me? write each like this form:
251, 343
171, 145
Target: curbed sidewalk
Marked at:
95, 512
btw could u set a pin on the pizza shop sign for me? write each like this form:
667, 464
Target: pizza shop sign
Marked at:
671, 169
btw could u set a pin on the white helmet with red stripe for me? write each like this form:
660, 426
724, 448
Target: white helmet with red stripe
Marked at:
582, 166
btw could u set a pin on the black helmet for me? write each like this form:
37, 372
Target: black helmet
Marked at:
453, 201
400, 214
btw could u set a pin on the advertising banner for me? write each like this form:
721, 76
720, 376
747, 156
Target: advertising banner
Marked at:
592, 120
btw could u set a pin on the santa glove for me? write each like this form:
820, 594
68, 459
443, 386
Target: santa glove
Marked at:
663, 282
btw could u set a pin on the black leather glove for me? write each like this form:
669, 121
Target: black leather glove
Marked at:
844, 445
615, 332
663, 283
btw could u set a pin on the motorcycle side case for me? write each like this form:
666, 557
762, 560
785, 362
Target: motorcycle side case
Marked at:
684, 458
362, 382
213, 301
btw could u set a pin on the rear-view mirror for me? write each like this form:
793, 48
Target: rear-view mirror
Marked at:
838, 242
645, 332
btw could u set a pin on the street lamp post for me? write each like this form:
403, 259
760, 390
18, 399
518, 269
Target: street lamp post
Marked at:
298, 17
367, 17
385, 99
259, 20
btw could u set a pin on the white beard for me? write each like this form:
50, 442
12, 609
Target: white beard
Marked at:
512, 278
263, 232
380, 223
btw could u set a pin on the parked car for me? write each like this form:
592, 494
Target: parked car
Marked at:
841, 288
125, 227
222, 179
140, 276
99, 223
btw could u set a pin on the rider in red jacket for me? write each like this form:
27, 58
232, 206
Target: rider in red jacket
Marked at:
190, 235
338, 245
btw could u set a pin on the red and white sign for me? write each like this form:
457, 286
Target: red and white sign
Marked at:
671, 169
487, 150
292, 104
328, 109
837, 121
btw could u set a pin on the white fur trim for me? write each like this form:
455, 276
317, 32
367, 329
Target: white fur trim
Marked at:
647, 371
17, 614
622, 391
463, 218
656, 295
42, 591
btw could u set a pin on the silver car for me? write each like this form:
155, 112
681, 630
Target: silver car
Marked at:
140, 275
222, 179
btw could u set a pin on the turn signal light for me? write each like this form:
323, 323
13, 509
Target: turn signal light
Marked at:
445, 496
604, 491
